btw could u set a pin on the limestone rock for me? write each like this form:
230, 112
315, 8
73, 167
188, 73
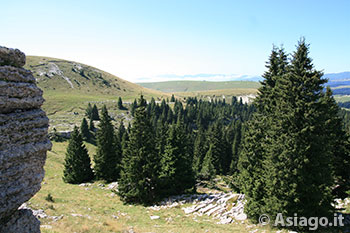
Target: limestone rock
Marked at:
11, 57
22, 221
23, 142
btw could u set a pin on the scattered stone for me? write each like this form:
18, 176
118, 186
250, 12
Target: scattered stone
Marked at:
56, 218
85, 184
225, 220
154, 217
77, 215
241, 217
113, 185
217, 205
46, 226
39, 214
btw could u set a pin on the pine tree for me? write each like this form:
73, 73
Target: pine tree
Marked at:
176, 163
120, 104
92, 126
121, 131
208, 171
340, 146
199, 151
84, 129
77, 164
288, 156
236, 146
94, 113
133, 107
250, 161
161, 136
215, 140
140, 165
88, 111
172, 99
108, 155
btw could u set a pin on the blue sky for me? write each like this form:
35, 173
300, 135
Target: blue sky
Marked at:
145, 39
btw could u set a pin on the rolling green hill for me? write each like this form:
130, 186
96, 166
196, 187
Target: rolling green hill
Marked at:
68, 85
194, 86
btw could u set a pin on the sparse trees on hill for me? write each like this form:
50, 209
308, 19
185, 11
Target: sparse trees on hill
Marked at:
92, 112
77, 164
160, 154
108, 153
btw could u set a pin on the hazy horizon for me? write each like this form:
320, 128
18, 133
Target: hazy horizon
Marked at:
150, 39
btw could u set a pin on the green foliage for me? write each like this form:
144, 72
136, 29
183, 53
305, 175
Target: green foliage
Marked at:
287, 163
208, 170
236, 147
214, 139
92, 126
199, 151
77, 165
140, 165
84, 129
120, 104
49, 198
88, 111
94, 113
176, 175
172, 99
108, 155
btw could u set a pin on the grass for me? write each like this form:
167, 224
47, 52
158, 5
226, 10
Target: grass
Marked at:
218, 93
194, 86
89, 84
342, 98
96, 209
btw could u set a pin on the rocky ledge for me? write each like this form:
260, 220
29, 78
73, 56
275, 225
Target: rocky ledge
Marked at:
23, 142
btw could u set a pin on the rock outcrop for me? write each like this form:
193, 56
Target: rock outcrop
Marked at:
23, 142
226, 207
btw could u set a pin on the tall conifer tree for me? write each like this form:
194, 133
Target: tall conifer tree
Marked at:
77, 164
288, 156
176, 172
140, 165
108, 152
84, 129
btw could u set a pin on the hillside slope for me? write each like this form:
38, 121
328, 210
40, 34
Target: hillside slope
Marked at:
193, 86
67, 84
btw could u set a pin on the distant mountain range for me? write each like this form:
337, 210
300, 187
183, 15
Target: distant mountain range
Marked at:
339, 82
200, 77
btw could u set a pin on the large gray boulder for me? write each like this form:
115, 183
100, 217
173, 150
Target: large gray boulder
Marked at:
23, 142
12, 57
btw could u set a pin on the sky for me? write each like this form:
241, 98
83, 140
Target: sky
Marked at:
158, 39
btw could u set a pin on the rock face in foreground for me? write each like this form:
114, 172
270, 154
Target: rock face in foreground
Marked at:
23, 142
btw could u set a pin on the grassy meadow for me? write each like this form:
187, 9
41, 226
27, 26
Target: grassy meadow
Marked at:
96, 209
